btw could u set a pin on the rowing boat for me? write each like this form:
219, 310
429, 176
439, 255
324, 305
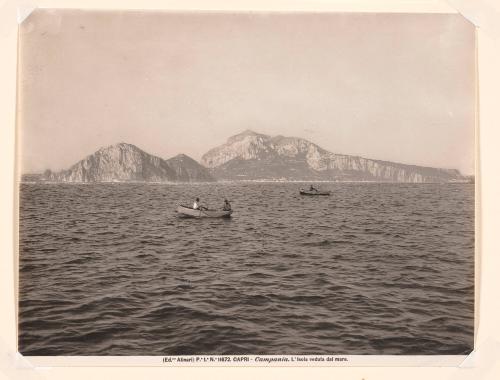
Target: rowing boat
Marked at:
313, 192
190, 212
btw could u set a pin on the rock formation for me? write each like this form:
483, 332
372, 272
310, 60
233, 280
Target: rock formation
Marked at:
253, 156
127, 163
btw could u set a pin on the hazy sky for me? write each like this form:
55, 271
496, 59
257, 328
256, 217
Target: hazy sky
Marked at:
397, 87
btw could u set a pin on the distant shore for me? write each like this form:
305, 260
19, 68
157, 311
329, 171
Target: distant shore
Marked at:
237, 181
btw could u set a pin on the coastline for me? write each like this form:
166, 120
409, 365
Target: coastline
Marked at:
235, 182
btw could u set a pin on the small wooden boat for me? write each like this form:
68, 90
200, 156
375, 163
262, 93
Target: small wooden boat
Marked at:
313, 192
190, 212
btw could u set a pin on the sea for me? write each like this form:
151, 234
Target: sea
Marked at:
372, 269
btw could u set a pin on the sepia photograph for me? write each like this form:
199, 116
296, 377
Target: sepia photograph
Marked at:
245, 183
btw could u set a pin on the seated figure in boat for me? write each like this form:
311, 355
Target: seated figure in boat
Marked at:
227, 205
196, 204
312, 188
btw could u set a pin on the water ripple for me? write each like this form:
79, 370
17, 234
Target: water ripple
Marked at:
109, 269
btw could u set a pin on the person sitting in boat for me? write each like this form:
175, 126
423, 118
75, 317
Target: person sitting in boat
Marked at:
227, 205
312, 188
196, 204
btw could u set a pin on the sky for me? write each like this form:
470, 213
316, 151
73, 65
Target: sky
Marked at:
395, 87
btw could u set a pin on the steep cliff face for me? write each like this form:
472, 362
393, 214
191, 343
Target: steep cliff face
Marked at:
244, 146
126, 162
246, 156
251, 155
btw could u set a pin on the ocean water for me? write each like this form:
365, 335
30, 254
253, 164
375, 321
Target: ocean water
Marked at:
110, 269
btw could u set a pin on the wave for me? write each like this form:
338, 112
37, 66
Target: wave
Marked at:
111, 270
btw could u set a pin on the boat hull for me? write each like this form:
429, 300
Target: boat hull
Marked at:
188, 212
307, 192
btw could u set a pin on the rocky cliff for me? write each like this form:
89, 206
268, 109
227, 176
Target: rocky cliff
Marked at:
127, 163
246, 156
252, 156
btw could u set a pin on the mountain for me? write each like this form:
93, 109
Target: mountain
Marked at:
188, 170
246, 156
253, 156
127, 163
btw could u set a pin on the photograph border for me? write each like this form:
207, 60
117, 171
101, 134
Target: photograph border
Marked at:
148, 361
